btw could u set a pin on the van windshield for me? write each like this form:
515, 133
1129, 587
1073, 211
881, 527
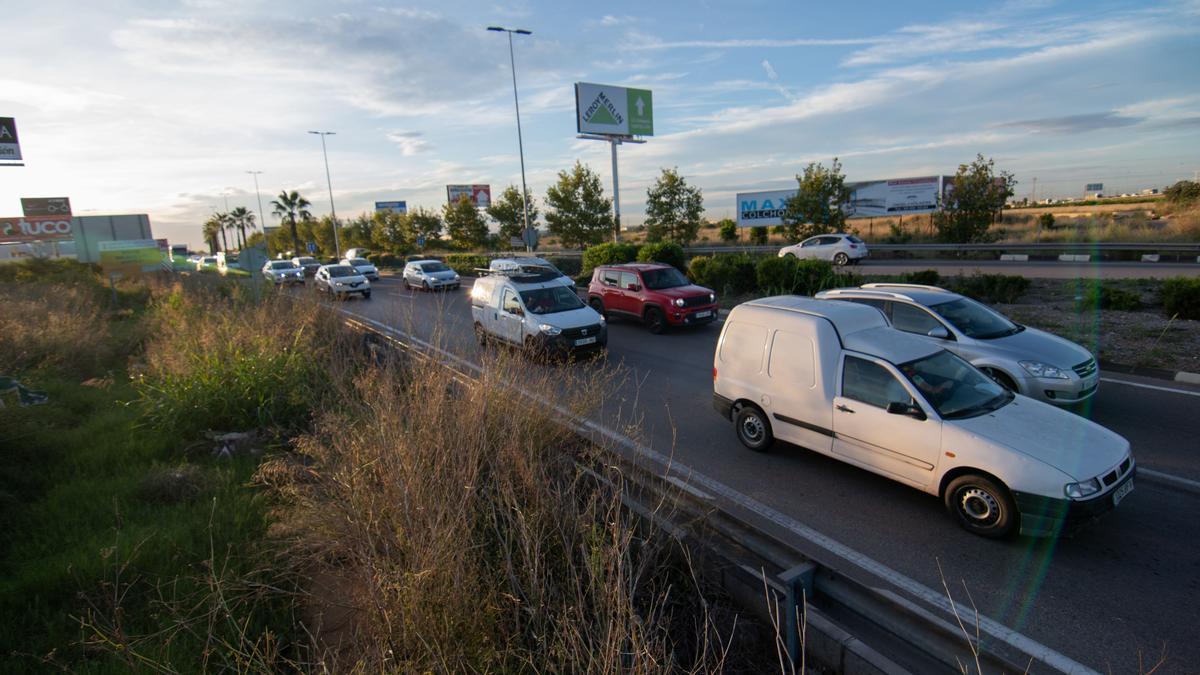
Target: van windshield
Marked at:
955, 388
550, 300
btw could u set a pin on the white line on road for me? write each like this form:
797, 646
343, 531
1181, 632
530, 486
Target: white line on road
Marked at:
1167, 478
990, 626
1155, 387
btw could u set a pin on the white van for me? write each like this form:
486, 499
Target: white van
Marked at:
833, 377
227, 261
536, 312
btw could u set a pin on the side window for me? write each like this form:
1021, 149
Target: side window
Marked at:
629, 279
511, 304
880, 305
912, 319
612, 278
830, 241
871, 383
815, 241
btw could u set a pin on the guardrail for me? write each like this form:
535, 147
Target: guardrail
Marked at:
1190, 248
738, 546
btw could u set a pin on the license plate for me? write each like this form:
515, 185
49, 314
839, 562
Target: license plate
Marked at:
1122, 491
704, 315
585, 341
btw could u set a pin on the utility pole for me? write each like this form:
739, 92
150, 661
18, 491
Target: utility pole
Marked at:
337, 246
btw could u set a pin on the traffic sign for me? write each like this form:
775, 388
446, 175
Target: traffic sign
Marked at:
312, 247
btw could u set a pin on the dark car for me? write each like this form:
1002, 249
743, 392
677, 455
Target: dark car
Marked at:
308, 263
656, 294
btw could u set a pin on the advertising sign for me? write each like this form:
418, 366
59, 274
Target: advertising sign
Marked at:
130, 258
613, 111
394, 207
34, 229
1094, 187
480, 195
894, 197
46, 206
755, 209
10, 148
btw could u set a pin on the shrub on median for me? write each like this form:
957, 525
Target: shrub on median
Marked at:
725, 273
991, 288
466, 264
663, 252
608, 254
1181, 297
1098, 295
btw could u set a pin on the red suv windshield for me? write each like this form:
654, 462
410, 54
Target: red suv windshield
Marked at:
667, 277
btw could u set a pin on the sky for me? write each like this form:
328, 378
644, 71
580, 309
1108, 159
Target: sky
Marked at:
148, 106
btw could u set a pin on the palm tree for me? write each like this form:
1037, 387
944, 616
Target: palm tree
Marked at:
244, 220
228, 223
289, 206
211, 227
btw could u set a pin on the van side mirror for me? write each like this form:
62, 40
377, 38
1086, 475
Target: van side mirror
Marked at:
939, 332
901, 408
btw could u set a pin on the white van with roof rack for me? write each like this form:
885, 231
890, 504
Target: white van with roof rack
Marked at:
833, 377
535, 311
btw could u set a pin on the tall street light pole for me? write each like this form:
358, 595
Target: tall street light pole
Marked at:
512, 61
261, 218
337, 246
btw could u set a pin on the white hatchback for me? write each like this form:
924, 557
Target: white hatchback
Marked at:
839, 249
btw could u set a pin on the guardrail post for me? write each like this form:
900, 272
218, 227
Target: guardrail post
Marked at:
799, 584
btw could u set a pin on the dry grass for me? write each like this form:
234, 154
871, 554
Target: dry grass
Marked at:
53, 327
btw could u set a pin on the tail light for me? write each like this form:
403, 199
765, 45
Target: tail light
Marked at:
853, 245
714, 373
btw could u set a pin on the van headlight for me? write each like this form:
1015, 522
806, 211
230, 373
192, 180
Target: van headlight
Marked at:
1081, 490
679, 302
547, 329
1037, 369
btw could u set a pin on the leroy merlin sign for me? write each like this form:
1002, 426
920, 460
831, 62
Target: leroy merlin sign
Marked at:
613, 111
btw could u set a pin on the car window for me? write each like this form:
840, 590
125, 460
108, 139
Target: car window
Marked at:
815, 241
830, 241
853, 239
871, 383
912, 319
511, 304
880, 305
627, 279
666, 277
611, 278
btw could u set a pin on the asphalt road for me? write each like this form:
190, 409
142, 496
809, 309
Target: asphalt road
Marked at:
1113, 597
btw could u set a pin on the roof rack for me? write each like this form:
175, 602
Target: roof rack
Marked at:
521, 275
920, 287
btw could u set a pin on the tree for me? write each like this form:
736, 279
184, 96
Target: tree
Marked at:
577, 210
759, 234
391, 232
243, 220
673, 209
426, 225
1183, 192
728, 231
290, 206
970, 205
211, 228
465, 224
506, 211
816, 207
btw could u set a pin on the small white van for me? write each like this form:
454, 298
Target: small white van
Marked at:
833, 377
537, 312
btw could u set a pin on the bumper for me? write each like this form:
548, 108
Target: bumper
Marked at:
442, 284
677, 316
1061, 392
351, 291
1050, 516
723, 406
280, 281
562, 346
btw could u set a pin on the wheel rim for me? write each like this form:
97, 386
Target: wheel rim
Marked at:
656, 320
840, 259
978, 506
752, 429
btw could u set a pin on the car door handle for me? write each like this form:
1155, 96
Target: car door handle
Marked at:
844, 408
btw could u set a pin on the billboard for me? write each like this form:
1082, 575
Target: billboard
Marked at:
10, 147
1094, 187
895, 196
130, 258
613, 111
89, 231
480, 195
765, 209
46, 206
35, 229
393, 207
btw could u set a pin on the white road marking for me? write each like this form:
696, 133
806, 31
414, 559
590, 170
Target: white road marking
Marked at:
987, 625
1184, 483
1155, 387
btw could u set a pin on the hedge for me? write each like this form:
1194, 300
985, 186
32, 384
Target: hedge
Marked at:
571, 267
385, 260
466, 263
663, 252
608, 254
1181, 297
1099, 295
991, 288
725, 274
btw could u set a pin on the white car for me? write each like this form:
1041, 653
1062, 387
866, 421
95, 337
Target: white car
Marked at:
206, 263
430, 275
363, 266
280, 272
833, 377
839, 249
341, 281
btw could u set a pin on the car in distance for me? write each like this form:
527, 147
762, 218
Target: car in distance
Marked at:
430, 275
654, 293
280, 272
834, 377
309, 264
536, 312
839, 249
341, 281
363, 266
1022, 359
206, 263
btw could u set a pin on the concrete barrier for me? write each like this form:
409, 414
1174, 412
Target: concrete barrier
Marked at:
1019, 257
1074, 257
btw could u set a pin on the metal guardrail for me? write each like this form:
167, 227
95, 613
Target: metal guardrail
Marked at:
1046, 248
749, 556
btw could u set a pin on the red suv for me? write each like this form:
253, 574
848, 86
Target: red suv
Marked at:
655, 293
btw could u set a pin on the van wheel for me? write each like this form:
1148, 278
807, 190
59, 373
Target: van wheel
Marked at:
841, 259
655, 320
981, 506
753, 429
480, 335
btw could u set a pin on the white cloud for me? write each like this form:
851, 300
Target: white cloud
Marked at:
409, 142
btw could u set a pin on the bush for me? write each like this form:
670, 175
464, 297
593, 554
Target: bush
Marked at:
608, 254
759, 234
466, 263
776, 275
725, 273
570, 266
1181, 297
923, 277
385, 260
1046, 221
665, 252
728, 231
1099, 295
991, 288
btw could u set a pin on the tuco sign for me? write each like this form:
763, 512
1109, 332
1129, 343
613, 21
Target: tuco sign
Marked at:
34, 229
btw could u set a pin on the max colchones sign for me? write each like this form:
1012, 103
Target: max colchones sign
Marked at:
613, 111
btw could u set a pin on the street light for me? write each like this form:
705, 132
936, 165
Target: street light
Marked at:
257, 193
520, 142
337, 246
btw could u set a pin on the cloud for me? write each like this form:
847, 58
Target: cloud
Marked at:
1074, 124
410, 142
643, 42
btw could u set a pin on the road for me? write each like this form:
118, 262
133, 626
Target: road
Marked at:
1112, 597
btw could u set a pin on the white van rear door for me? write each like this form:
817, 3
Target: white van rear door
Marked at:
800, 411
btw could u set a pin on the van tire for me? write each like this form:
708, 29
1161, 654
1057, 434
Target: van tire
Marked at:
753, 428
981, 506
480, 335
656, 321
841, 259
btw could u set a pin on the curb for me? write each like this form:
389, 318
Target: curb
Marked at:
1157, 373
